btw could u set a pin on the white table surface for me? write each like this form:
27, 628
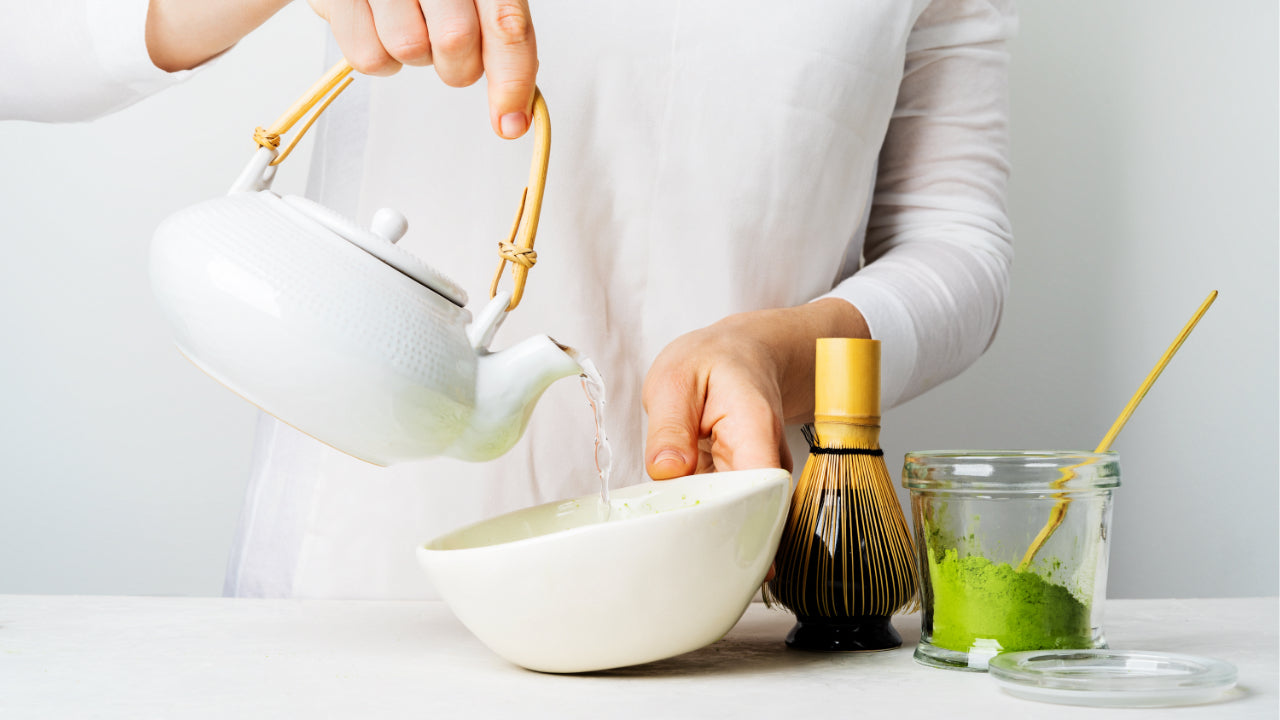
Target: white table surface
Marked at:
136, 657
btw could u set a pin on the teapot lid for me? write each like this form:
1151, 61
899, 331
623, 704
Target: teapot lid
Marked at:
388, 227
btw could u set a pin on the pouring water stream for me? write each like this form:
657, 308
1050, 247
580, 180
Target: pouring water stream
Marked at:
593, 385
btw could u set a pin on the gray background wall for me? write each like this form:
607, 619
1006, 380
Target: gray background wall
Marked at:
1146, 165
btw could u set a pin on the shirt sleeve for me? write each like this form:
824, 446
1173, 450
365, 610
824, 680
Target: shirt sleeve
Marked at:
71, 60
938, 244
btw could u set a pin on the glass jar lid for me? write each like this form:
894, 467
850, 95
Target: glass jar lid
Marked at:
1011, 471
1112, 678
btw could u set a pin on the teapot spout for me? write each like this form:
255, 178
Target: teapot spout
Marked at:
508, 385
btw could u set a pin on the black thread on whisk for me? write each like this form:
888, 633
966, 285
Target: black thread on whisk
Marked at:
814, 448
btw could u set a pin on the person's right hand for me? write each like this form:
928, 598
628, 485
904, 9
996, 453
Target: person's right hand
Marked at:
464, 39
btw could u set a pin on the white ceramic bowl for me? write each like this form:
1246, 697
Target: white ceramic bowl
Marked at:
554, 589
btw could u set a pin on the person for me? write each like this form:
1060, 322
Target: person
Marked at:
728, 182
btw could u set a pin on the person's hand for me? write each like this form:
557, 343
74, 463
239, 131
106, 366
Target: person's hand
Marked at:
717, 398
714, 402
464, 39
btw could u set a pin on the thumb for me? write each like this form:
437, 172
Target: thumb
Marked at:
671, 446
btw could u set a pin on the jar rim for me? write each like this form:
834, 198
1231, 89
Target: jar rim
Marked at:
1011, 471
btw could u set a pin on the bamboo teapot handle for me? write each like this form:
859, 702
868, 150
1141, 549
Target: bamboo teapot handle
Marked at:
520, 254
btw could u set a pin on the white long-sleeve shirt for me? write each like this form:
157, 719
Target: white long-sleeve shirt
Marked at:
69, 60
707, 158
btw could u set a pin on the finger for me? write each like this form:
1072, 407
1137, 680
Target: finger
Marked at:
674, 406
455, 40
402, 30
511, 62
353, 28
747, 437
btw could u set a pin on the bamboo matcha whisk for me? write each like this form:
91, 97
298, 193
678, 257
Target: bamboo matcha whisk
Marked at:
845, 564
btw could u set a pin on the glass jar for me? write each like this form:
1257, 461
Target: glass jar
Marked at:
977, 516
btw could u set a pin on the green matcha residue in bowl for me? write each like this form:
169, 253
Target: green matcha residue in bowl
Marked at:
975, 599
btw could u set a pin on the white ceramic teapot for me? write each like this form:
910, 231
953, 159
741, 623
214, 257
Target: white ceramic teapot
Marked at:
339, 332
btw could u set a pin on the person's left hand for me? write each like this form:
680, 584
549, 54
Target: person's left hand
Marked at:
717, 398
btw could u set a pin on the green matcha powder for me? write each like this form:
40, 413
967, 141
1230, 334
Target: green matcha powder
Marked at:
976, 599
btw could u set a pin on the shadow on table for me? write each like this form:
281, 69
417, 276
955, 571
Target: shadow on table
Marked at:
755, 646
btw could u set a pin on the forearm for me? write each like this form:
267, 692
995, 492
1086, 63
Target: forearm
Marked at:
181, 34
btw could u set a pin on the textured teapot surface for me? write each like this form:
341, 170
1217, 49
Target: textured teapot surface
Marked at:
314, 330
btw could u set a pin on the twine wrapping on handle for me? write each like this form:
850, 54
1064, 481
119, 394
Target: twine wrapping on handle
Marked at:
522, 256
322, 90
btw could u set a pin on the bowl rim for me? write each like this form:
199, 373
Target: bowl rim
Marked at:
779, 476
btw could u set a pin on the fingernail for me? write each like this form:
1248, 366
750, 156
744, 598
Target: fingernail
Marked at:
513, 125
668, 456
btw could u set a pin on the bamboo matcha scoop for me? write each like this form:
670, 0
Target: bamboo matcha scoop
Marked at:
1059, 510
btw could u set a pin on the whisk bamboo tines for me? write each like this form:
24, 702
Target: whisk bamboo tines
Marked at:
845, 564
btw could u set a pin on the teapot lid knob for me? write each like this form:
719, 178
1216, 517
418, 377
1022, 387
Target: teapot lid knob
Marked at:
389, 224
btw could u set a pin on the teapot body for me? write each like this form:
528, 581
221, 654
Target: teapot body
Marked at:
336, 330
315, 331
